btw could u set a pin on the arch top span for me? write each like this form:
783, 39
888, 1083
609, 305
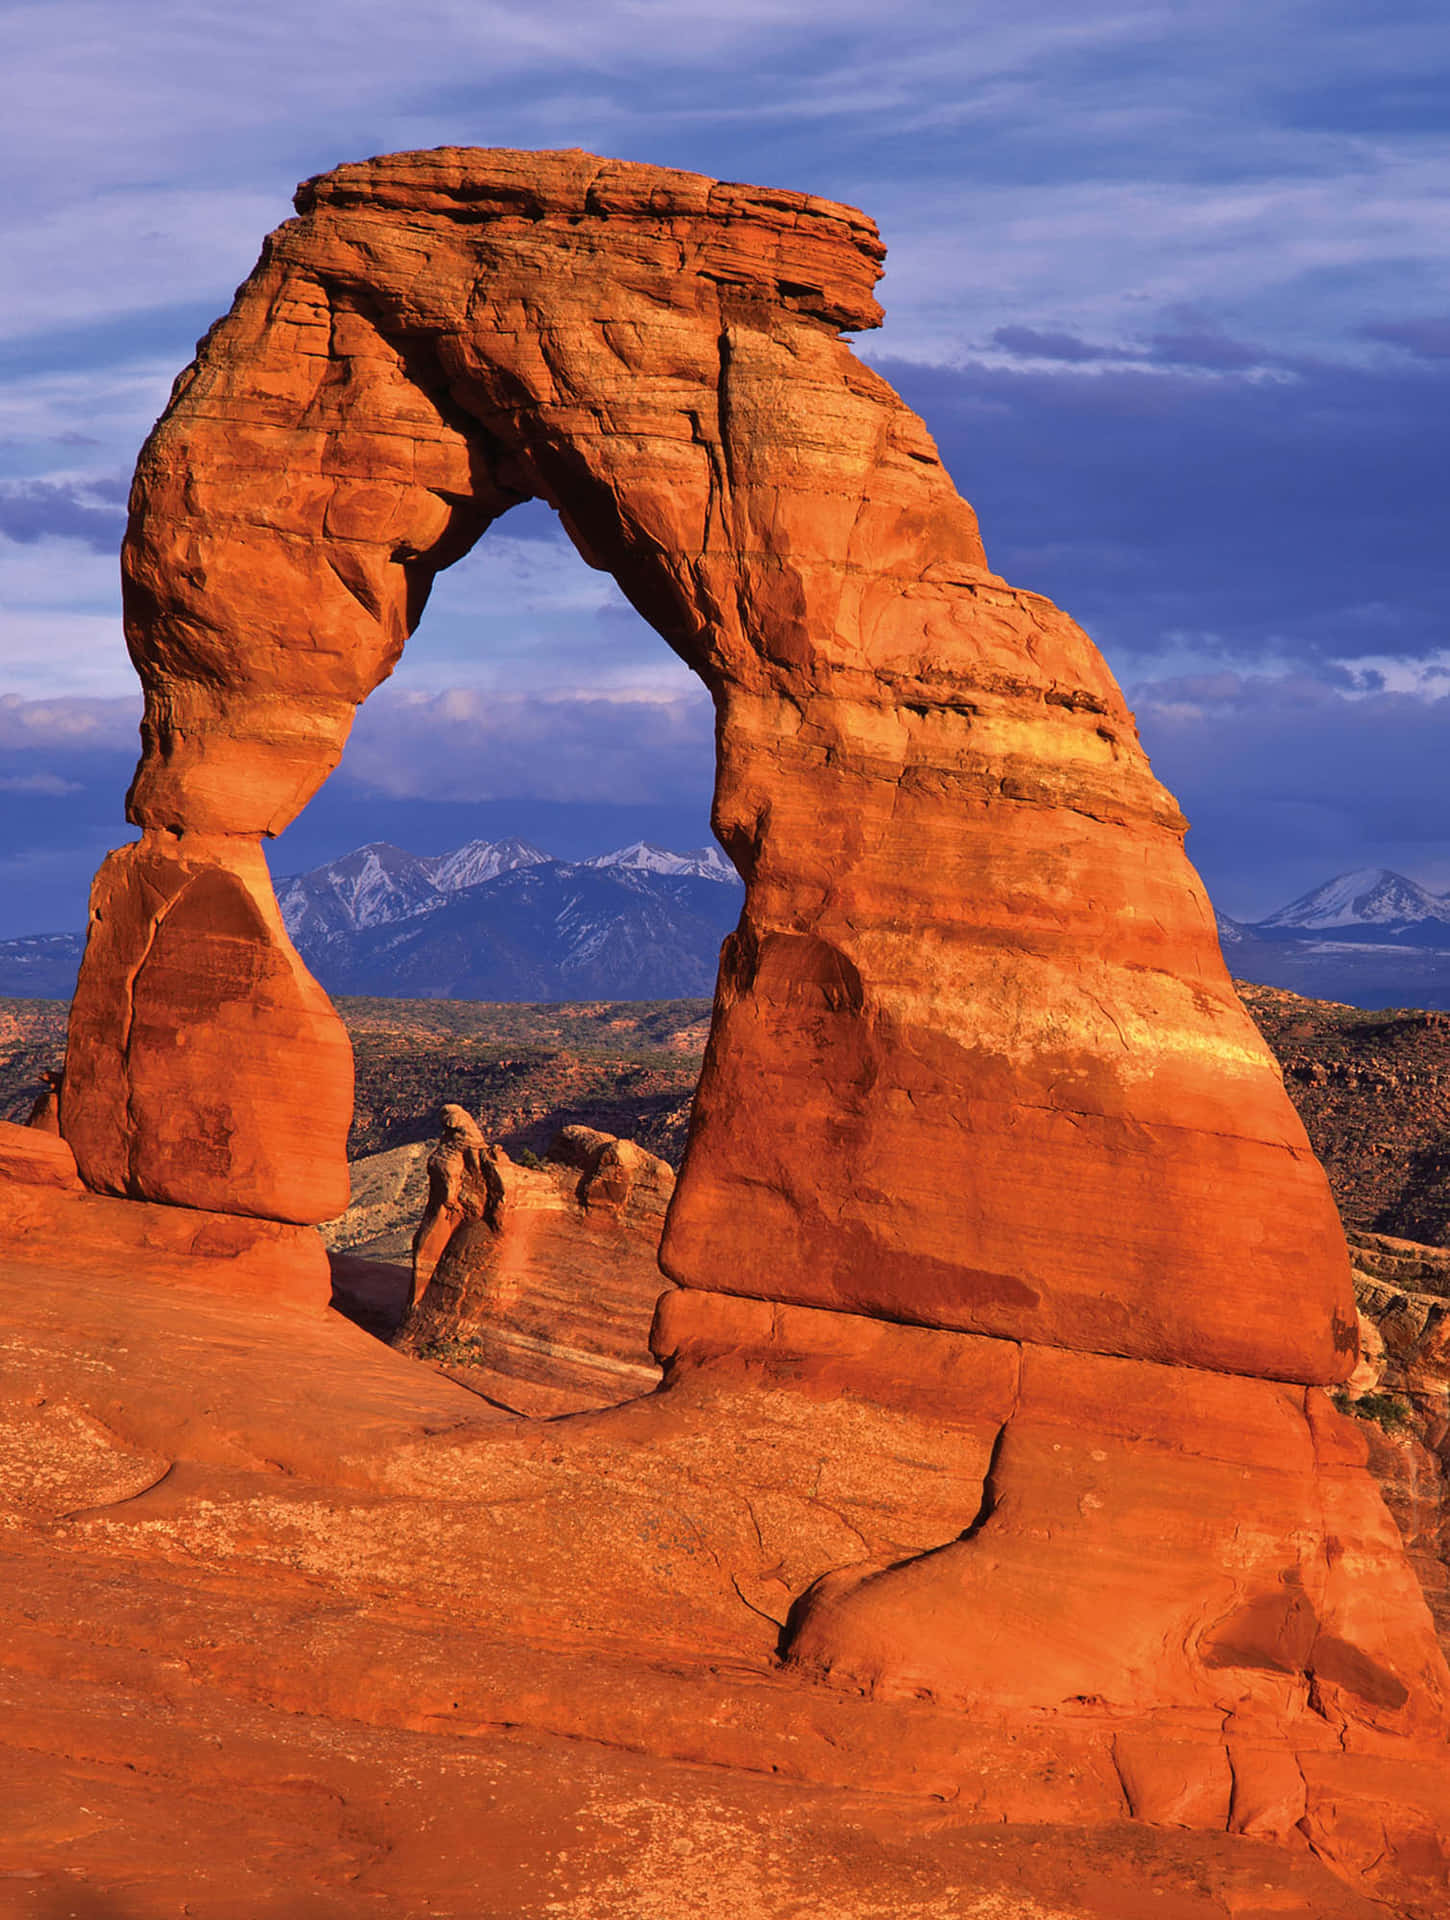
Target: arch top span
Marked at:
440, 335
973, 969
808, 255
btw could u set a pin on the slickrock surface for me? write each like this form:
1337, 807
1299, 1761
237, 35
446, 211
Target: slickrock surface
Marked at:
537, 1285
46, 1213
291, 1626
993, 1458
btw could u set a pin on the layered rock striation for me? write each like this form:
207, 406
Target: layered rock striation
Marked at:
537, 1284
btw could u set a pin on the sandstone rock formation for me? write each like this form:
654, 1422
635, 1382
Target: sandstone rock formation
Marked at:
989, 1172
973, 965
541, 1282
463, 1184
204, 1066
47, 1215
291, 1625
45, 1112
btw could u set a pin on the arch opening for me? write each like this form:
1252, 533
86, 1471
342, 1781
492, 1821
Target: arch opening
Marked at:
520, 1249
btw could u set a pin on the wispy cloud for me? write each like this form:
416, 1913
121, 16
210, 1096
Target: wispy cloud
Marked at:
33, 510
1208, 512
1428, 337
68, 723
1288, 780
632, 746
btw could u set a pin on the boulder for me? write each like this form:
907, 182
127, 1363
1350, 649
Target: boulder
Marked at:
537, 1285
205, 1067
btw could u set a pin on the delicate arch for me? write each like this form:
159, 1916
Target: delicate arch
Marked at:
975, 1060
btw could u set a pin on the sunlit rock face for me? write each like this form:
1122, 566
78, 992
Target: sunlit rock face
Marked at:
976, 1062
984, 1139
539, 1282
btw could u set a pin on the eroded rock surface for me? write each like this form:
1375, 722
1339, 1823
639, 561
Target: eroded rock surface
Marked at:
993, 1438
538, 1284
283, 1611
48, 1217
205, 1067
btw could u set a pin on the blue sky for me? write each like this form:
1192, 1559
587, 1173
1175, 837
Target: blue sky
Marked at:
1170, 285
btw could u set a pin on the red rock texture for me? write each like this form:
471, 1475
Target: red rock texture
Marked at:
540, 1282
291, 1625
973, 968
48, 1215
992, 1460
205, 1067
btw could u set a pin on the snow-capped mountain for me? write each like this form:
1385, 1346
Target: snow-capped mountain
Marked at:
365, 888
1370, 938
1368, 898
482, 860
503, 920
375, 885
705, 863
550, 930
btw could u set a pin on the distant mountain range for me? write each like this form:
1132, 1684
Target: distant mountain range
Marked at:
1370, 938
493, 920
503, 920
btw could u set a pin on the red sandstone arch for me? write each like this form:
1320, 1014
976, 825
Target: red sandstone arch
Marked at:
976, 1061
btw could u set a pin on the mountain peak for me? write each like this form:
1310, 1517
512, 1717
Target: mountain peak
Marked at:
704, 863
379, 884
480, 860
1363, 897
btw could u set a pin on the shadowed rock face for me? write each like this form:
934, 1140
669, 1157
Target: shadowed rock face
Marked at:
976, 1062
